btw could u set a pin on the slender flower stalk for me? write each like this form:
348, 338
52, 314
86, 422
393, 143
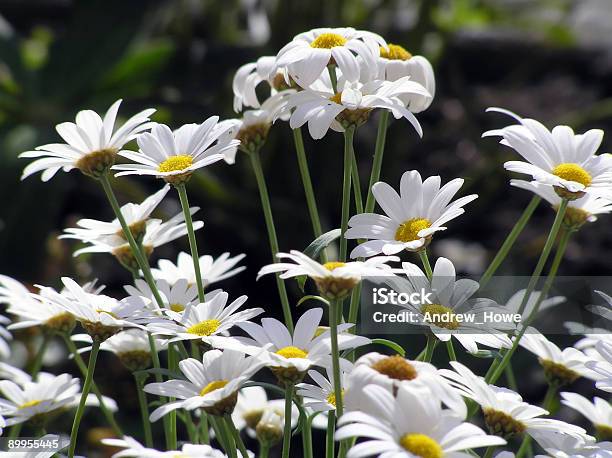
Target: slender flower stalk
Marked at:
509, 242
193, 245
236, 434
287, 431
144, 410
335, 354
379, 151
426, 265
37, 363
346, 189
430, 346
93, 356
172, 366
307, 438
551, 393
331, 427
267, 209
356, 182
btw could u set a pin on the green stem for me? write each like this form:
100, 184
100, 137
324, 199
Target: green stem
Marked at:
231, 445
346, 189
356, 182
172, 365
219, 434
193, 244
144, 411
329, 442
236, 434
37, 363
333, 77
267, 209
510, 378
489, 451
263, 450
307, 438
311, 201
510, 239
287, 430
83, 369
379, 151
524, 446
426, 265
205, 435
429, 347
451, 350
335, 354
93, 356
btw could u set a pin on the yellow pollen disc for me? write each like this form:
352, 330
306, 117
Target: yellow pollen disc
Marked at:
108, 313
331, 399
292, 352
409, 230
32, 403
204, 328
212, 386
440, 315
174, 163
177, 307
337, 98
333, 265
395, 367
395, 52
421, 445
573, 172
328, 41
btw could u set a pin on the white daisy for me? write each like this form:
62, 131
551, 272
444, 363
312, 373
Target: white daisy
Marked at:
413, 217
450, 310
505, 412
579, 211
212, 270
132, 448
395, 62
5, 336
514, 303
602, 365
391, 372
560, 366
2, 424
560, 446
247, 79
559, 158
598, 412
8, 372
212, 384
334, 279
207, 322
322, 397
323, 108
309, 53
174, 156
92, 143
176, 297
411, 424
290, 356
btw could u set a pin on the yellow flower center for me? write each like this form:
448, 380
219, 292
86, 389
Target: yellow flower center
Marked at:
337, 98
409, 230
604, 432
333, 265
212, 386
395, 367
177, 307
573, 172
331, 399
328, 41
421, 445
501, 424
174, 163
204, 328
395, 52
292, 352
440, 315
31, 403
557, 373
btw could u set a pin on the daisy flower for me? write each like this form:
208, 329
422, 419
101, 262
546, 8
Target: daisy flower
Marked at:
213, 270
206, 322
408, 425
270, 428
100, 315
322, 397
290, 356
391, 372
395, 62
450, 311
132, 448
514, 303
2, 424
212, 384
557, 158
174, 156
92, 143
598, 412
8, 372
176, 297
308, 54
412, 218
249, 76
323, 108
505, 412
251, 406
561, 367
560, 446
602, 365
579, 211
334, 280
5, 336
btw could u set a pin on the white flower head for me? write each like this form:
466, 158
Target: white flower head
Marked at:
5, 336
174, 156
450, 310
505, 412
598, 411
410, 424
212, 270
308, 54
92, 143
412, 218
176, 297
322, 396
561, 446
557, 158
247, 79
211, 384
132, 448
602, 365
333, 279
514, 303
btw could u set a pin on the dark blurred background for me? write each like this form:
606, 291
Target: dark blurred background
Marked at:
547, 59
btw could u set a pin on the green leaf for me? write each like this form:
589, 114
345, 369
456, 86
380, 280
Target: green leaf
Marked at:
314, 298
321, 242
393, 345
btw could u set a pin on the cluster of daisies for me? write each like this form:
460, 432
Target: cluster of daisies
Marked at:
200, 357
